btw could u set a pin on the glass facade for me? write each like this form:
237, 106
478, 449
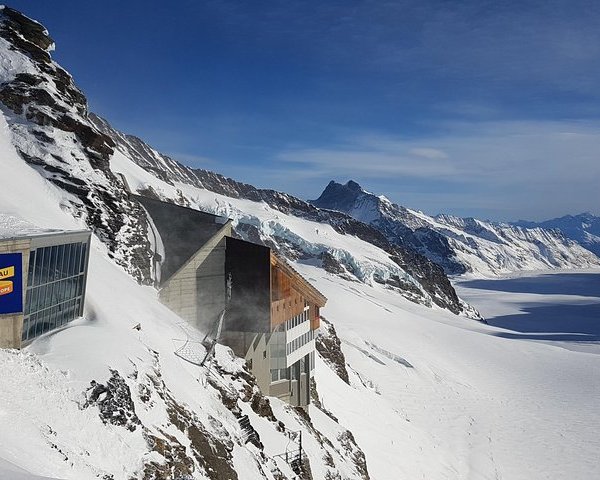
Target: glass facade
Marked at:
55, 287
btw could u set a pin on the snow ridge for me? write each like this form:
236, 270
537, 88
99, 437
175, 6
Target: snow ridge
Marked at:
583, 228
460, 245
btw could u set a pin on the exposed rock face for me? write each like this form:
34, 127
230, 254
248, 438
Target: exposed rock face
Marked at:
48, 117
347, 440
330, 348
457, 244
114, 401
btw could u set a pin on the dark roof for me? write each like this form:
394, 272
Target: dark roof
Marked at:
183, 231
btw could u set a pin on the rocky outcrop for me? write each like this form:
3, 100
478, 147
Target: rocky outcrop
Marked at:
330, 349
48, 117
114, 401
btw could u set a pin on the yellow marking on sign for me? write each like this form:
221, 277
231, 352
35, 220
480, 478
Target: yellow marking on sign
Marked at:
7, 272
6, 287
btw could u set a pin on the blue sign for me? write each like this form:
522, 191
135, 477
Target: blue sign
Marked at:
11, 283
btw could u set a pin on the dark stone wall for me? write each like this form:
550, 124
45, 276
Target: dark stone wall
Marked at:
249, 265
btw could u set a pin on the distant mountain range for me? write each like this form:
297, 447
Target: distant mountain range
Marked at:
583, 228
462, 245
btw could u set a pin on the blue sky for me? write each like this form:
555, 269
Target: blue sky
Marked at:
482, 108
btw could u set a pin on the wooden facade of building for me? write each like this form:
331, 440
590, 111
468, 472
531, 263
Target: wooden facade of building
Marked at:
289, 293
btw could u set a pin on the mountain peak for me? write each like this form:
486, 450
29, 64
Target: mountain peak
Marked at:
26, 35
352, 185
337, 196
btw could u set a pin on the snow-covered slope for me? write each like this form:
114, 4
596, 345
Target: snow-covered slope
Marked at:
427, 394
334, 240
460, 245
583, 228
99, 399
453, 399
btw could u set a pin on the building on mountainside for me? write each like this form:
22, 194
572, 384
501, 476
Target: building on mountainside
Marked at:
271, 311
43, 276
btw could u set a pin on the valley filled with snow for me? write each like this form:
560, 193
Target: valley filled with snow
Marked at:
556, 307
476, 402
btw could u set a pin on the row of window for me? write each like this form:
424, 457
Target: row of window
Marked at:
48, 264
55, 287
299, 342
297, 320
53, 317
44, 296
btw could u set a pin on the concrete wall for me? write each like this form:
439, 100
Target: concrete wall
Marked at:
300, 386
197, 291
281, 390
11, 325
258, 356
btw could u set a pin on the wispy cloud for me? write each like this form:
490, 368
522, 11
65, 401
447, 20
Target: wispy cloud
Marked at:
493, 150
522, 168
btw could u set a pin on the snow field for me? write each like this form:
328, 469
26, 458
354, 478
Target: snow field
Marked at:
474, 406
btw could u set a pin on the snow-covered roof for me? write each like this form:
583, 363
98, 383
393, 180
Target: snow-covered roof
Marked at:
13, 226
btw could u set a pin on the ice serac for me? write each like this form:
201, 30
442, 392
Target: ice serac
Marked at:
459, 245
48, 118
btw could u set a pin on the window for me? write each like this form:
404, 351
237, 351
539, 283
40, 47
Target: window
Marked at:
56, 280
280, 374
68, 260
83, 257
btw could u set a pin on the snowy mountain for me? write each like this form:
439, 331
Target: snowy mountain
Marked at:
402, 390
336, 241
460, 245
80, 153
583, 228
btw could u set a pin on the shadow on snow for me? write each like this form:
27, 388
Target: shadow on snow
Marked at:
568, 322
584, 284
